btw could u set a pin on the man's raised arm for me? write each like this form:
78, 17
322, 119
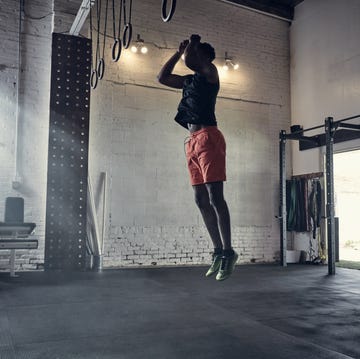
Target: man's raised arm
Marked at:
165, 76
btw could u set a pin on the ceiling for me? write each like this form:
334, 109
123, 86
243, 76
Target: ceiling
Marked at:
281, 8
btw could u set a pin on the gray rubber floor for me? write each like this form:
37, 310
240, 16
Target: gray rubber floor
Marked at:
263, 311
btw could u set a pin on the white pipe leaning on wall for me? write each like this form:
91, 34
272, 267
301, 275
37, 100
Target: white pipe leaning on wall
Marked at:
17, 179
98, 244
93, 219
104, 212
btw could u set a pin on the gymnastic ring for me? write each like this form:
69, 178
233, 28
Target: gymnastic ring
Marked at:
116, 50
126, 37
101, 68
93, 79
167, 16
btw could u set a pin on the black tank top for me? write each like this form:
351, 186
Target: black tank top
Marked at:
198, 102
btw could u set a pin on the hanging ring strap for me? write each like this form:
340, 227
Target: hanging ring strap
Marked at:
101, 65
116, 47
127, 33
98, 14
116, 50
101, 68
94, 79
166, 16
94, 75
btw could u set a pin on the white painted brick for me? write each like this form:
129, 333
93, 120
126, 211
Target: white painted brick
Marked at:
34, 107
134, 137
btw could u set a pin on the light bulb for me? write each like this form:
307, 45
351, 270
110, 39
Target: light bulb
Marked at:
225, 67
144, 50
134, 49
183, 57
236, 66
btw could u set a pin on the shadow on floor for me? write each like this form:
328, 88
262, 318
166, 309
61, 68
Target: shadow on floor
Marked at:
348, 264
262, 311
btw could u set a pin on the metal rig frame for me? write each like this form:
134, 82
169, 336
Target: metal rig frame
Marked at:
332, 135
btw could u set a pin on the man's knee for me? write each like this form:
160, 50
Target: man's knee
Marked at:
216, 199
202, 200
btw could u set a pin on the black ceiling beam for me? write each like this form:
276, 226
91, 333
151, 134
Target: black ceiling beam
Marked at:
269, 6
320, 140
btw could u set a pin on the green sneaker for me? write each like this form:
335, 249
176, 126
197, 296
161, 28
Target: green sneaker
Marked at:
227, 266
215, 264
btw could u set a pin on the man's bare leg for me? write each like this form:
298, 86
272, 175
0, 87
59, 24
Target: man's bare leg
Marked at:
228, 261
216, 196
208, 213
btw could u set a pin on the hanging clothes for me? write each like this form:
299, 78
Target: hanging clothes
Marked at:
291, 205
307, 189
302, 206
315, 205
303, 202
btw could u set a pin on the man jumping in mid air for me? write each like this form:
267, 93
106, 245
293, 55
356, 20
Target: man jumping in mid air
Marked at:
205, 151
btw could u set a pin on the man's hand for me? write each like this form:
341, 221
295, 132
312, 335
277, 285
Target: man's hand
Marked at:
183, 46
165, 76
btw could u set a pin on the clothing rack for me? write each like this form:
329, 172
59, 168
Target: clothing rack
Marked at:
304, 203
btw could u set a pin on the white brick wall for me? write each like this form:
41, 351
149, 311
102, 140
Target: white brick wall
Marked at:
33, 119
133, 246
151, 216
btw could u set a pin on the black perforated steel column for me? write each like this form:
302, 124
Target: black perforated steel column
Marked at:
65, 236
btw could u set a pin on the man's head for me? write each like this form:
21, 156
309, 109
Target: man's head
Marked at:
207, 51
197, 54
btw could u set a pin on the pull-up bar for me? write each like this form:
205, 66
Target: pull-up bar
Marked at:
347, 119
327, 139
343, 132
350, 125
335, 123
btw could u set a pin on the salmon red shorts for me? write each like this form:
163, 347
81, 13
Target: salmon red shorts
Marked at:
205, 155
